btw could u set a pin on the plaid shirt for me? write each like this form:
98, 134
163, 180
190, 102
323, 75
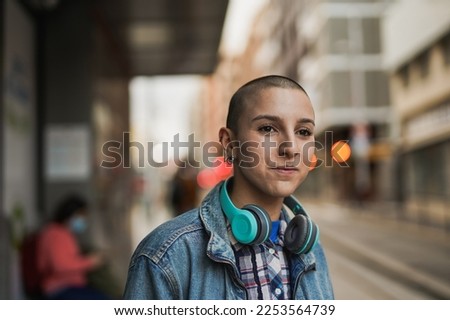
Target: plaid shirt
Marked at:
264, 268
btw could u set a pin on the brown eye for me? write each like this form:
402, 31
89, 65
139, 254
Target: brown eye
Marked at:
304, 132
266, 129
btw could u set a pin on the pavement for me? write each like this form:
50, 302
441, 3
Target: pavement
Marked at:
410, 253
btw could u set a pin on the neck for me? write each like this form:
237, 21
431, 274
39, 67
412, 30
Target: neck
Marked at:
241, 196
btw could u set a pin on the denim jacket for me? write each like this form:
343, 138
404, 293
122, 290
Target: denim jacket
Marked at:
190, 257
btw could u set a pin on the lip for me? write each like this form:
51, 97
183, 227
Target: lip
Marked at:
285, 170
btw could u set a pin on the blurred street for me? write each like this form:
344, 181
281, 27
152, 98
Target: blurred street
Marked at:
376, 257
109, 100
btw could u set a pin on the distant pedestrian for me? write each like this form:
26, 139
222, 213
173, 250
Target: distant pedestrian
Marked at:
184, 189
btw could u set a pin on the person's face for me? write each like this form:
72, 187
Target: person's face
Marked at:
275, 133
78, 222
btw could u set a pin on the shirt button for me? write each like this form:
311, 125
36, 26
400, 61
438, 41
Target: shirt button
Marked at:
278, 291
271, 251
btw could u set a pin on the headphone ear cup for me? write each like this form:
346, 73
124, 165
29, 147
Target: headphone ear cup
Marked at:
263, 222
244, 227
301, 234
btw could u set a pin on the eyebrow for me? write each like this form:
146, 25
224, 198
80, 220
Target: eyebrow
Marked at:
278, 119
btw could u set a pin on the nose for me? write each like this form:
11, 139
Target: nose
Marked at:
289, 147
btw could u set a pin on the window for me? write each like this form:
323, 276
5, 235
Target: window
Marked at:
338, 35
340, 86
404, 75
371, 35
446, 49
377, 88
423, 62
426, 171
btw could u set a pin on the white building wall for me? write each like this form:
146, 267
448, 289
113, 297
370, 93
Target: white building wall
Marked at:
410, 26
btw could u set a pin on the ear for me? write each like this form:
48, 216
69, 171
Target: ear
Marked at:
226, 138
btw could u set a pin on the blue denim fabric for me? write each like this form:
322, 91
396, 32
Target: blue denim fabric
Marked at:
190, 257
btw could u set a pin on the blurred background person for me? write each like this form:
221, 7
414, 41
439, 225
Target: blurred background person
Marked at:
62, 267
184, 190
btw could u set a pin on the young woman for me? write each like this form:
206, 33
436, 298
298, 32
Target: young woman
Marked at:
249, 239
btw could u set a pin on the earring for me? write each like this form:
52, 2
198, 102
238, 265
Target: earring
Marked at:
229, 159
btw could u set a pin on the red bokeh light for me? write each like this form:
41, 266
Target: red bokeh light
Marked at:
209, 177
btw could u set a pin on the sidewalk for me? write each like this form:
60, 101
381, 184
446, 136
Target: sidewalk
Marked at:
416, 255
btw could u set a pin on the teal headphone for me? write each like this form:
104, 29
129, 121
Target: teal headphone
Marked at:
252, 224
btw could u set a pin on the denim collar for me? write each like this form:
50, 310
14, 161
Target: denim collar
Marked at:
213, 218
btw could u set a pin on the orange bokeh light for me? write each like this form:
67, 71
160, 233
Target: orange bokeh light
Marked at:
341, 151
313, 163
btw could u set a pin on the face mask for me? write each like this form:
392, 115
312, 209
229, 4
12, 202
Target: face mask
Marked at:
78, 224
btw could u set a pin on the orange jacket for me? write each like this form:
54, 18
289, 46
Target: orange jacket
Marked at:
60, 262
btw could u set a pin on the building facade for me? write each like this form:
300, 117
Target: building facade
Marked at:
418, 57
341, 67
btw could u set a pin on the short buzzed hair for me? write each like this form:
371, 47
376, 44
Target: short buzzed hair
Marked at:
253, 88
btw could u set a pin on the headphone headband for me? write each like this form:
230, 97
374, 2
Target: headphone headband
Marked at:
225, 200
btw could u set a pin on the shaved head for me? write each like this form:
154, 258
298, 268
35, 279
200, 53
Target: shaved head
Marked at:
251, 90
